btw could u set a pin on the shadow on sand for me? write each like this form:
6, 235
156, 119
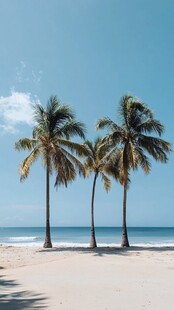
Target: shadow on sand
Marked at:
100, 251
13, 299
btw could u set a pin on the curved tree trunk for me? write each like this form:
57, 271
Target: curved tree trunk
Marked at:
125, 241
93, 243
47, 243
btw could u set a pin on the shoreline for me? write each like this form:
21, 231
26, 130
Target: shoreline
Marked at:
17, 256
69, 245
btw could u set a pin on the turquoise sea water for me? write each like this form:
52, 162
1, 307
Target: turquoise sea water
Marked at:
80, 236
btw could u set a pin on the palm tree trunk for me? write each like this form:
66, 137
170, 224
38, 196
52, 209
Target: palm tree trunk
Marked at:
125, 241
93, 243
47, 243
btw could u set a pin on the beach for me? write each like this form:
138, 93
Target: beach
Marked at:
76, 278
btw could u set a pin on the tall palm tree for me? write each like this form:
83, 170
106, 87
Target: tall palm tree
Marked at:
54, 126
131, 142
96, 160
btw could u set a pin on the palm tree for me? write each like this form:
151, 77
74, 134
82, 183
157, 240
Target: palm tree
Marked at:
54, 125
131, 142
96, 159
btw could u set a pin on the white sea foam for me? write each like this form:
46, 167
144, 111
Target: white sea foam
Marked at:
112, 245
21, 239
39, 243
155, 245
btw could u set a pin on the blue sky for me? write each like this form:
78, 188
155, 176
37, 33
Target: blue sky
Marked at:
89, 53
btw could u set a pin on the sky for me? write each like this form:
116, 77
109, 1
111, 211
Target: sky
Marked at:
89, 53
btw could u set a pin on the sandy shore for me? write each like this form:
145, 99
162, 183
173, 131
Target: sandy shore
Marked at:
84, 279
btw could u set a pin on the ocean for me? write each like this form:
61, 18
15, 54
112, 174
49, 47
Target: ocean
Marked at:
80, 236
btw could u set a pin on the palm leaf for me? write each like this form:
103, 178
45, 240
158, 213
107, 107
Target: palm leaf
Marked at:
106, 182
73, 128
25, 144
142, 159
149, 126
66, 166
156, 147
26, 164
77, 163
79, 149
123, 110
106, 123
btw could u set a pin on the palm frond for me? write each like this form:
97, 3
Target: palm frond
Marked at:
25, 144
66, 166
27, 162
150, 125
73, 128
143, 109
89, 147
142, 160
124, 109
58, 120
38, 113
39, 130
65, 170
66, 173
107, 123
156, 147
112, 167
54, 116
74, 147
132, 156
53, 105
89, 166
106, 182
77, 163
97, 158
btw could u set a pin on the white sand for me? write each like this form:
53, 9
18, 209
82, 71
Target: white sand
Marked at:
84, 279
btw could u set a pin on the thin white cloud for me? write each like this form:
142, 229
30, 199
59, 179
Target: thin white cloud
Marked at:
36, 76
20, 71
25, 73
16, 109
